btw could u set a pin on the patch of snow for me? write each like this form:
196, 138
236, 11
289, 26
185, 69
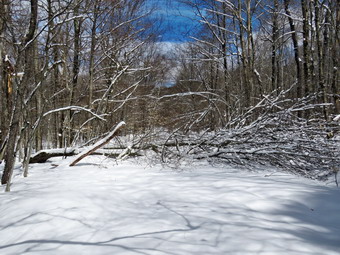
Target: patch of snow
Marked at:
6, 59
99, 207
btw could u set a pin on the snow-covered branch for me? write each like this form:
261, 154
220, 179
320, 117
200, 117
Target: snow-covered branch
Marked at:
99, 144
73, 108
277, 137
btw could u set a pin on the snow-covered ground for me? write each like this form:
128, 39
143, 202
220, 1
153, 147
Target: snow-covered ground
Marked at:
101, 207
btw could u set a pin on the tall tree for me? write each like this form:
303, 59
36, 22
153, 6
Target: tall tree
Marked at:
27, 50
306, 49
5, 72
294, 36
335, 84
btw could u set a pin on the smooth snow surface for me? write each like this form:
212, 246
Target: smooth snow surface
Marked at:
99, 207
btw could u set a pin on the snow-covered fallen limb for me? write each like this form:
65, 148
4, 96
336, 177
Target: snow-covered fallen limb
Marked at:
99, 144
276, 137
43, 155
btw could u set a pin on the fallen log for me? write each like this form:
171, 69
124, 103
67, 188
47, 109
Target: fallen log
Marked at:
99, 144
44, 155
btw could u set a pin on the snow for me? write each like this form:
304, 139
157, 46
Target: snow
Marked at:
7, 58
102, 206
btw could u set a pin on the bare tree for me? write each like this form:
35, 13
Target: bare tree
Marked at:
6, 70
296, 48
27, 49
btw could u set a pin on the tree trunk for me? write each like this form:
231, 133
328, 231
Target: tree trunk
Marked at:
225, 66
16, 113
43, 156
244, 58
324, 58
275, 35
296, 51
4, 115
76, 67
92, 50
306, 51
335, 58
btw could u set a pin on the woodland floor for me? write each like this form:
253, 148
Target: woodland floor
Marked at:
103, 207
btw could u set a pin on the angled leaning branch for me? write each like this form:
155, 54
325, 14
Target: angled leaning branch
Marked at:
99, 144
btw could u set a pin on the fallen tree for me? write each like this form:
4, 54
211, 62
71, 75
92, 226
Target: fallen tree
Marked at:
43, 155
99, 144
276, 137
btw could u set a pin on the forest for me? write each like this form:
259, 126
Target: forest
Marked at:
256, 82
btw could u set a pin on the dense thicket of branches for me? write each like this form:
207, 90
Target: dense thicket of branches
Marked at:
247, 52
72, 69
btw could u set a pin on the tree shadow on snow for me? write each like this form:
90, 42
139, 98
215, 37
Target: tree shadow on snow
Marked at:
314, 220
35, 244
39, 245
318, 217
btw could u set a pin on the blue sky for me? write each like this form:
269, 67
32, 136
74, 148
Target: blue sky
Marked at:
176, 20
